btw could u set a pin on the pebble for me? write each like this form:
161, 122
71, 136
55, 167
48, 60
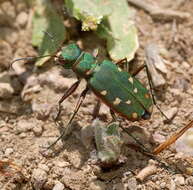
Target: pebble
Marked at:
97, 185
24, 126
171, 113
87, 135
22, 135
132, 184
50, 77
43, 167
22, 18
118, 186
42, 110
172, 185
39, 177
8, 151
6, 90
37, 130
157, 137
58, 186
62, 164
163, 185
179, 180
189, 181
184, 144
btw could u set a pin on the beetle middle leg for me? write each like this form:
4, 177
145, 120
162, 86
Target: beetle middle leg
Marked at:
96, 110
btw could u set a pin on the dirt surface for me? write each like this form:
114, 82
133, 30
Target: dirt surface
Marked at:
28, 99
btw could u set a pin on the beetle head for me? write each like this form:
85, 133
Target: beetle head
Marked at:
69, 55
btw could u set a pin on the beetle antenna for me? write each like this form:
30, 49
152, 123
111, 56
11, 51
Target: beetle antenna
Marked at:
53, 40
30, 59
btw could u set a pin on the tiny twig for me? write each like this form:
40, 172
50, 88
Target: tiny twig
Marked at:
147, 171
159, 13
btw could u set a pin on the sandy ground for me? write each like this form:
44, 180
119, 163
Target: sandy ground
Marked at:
28, 98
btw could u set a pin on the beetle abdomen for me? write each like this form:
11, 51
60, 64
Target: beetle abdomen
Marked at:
120, 91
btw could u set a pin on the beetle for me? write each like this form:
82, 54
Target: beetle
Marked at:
118, 89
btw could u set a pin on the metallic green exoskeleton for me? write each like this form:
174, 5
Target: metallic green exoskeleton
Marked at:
118, 89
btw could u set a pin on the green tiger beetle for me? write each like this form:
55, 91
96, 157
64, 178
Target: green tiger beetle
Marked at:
118, 89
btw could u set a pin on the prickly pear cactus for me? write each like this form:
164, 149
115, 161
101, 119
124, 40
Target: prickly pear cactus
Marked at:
46, 20
112, 20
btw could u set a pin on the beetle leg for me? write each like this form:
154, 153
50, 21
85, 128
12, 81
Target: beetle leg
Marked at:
152, 94
138, 70
96, 109
121, 61
113, 115
66, 130
151, 87
66, 94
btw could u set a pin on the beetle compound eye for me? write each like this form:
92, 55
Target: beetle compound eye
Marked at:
146, 115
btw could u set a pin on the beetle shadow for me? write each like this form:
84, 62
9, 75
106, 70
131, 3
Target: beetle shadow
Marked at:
71, 147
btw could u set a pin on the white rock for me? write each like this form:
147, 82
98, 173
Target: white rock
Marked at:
8, 151
58, 186
43, 167
22, 18
6, 90
97, 185
39, 177
179, 180
37, 130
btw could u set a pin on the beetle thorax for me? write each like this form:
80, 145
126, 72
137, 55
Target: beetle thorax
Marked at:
85, 65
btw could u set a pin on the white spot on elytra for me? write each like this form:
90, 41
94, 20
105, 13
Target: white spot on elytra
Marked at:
104, 92
135, 90
134, 115
128, 102
131, 80
119, 69
117, 101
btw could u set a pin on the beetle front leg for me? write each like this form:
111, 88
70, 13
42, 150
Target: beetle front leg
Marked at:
66, 130
66, 95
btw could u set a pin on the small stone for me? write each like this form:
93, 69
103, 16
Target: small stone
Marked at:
87, 135
50, 77
97, 185
39, 177
58, 186
185, 143
163, 185
37, 130
132, 184
44, 167
6, 90
22, 135
179, 180
118, 186
22, 18
8, 151
189, 181
62, 164
24, 126
172, 185
158, 137
171, 113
